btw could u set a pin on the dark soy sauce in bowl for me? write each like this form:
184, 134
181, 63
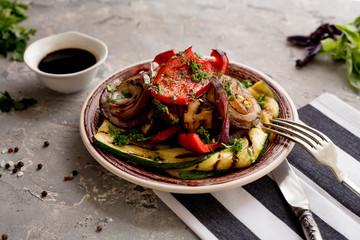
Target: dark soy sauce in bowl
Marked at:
66, 61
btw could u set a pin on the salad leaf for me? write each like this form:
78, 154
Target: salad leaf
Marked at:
13, 38
343, 45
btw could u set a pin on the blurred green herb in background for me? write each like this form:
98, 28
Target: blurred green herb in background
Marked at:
13, 38
342, 43
347, 48
7, 102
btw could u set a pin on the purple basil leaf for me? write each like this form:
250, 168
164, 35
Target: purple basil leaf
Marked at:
298, 40
312, 43
313, 49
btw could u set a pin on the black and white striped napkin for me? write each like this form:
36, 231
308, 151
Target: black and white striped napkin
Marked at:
259, 211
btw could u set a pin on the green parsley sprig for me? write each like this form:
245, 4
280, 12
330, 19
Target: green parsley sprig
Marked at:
13, 38
7, 102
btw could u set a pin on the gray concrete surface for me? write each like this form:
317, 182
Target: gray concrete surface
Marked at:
251, 32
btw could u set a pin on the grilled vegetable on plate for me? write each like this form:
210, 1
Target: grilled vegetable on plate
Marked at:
186, 117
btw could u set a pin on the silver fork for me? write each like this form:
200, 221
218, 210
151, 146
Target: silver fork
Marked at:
315, 142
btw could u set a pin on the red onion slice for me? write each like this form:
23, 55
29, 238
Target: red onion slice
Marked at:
222, 106
244, 109
125, 103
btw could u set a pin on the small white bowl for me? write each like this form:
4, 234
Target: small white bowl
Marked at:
71, 82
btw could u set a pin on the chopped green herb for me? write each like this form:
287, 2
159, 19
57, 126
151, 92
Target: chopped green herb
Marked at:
110, 88
249, 152
236, 146
135, 135
161, 90
123, 138
181, 53
167, 74
132, 81
107, 100
126, 93
227, 88
262, 102
153, 74
247, 83
175, 121
193, 96
112, 130
194, 67
197, 55
203, 134
160, 106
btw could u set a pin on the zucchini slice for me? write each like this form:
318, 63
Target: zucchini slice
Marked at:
183, 163
226, 159
271, 107
158, 156
259, 89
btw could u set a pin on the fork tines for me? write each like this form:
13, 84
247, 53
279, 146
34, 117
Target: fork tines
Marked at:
296, 132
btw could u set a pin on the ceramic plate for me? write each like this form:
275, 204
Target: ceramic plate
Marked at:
274, 154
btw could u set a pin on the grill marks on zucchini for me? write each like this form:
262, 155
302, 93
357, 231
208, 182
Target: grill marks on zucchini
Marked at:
146, 154
235, 159
181, 162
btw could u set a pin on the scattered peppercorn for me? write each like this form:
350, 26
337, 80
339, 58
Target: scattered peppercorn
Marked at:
46, 143
4, 236
7, 166
69, 177
99, 228
19, 164
10, 150
0, 175
75, 172
39, 166
14, 170
16, 149
43, 193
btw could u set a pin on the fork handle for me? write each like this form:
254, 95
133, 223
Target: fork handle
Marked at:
308, 224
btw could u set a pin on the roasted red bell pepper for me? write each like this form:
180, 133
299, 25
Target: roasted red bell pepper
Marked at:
184, 76
165, 134
193, 142
162, 58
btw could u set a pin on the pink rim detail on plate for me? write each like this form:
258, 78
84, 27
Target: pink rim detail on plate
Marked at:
274, 154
